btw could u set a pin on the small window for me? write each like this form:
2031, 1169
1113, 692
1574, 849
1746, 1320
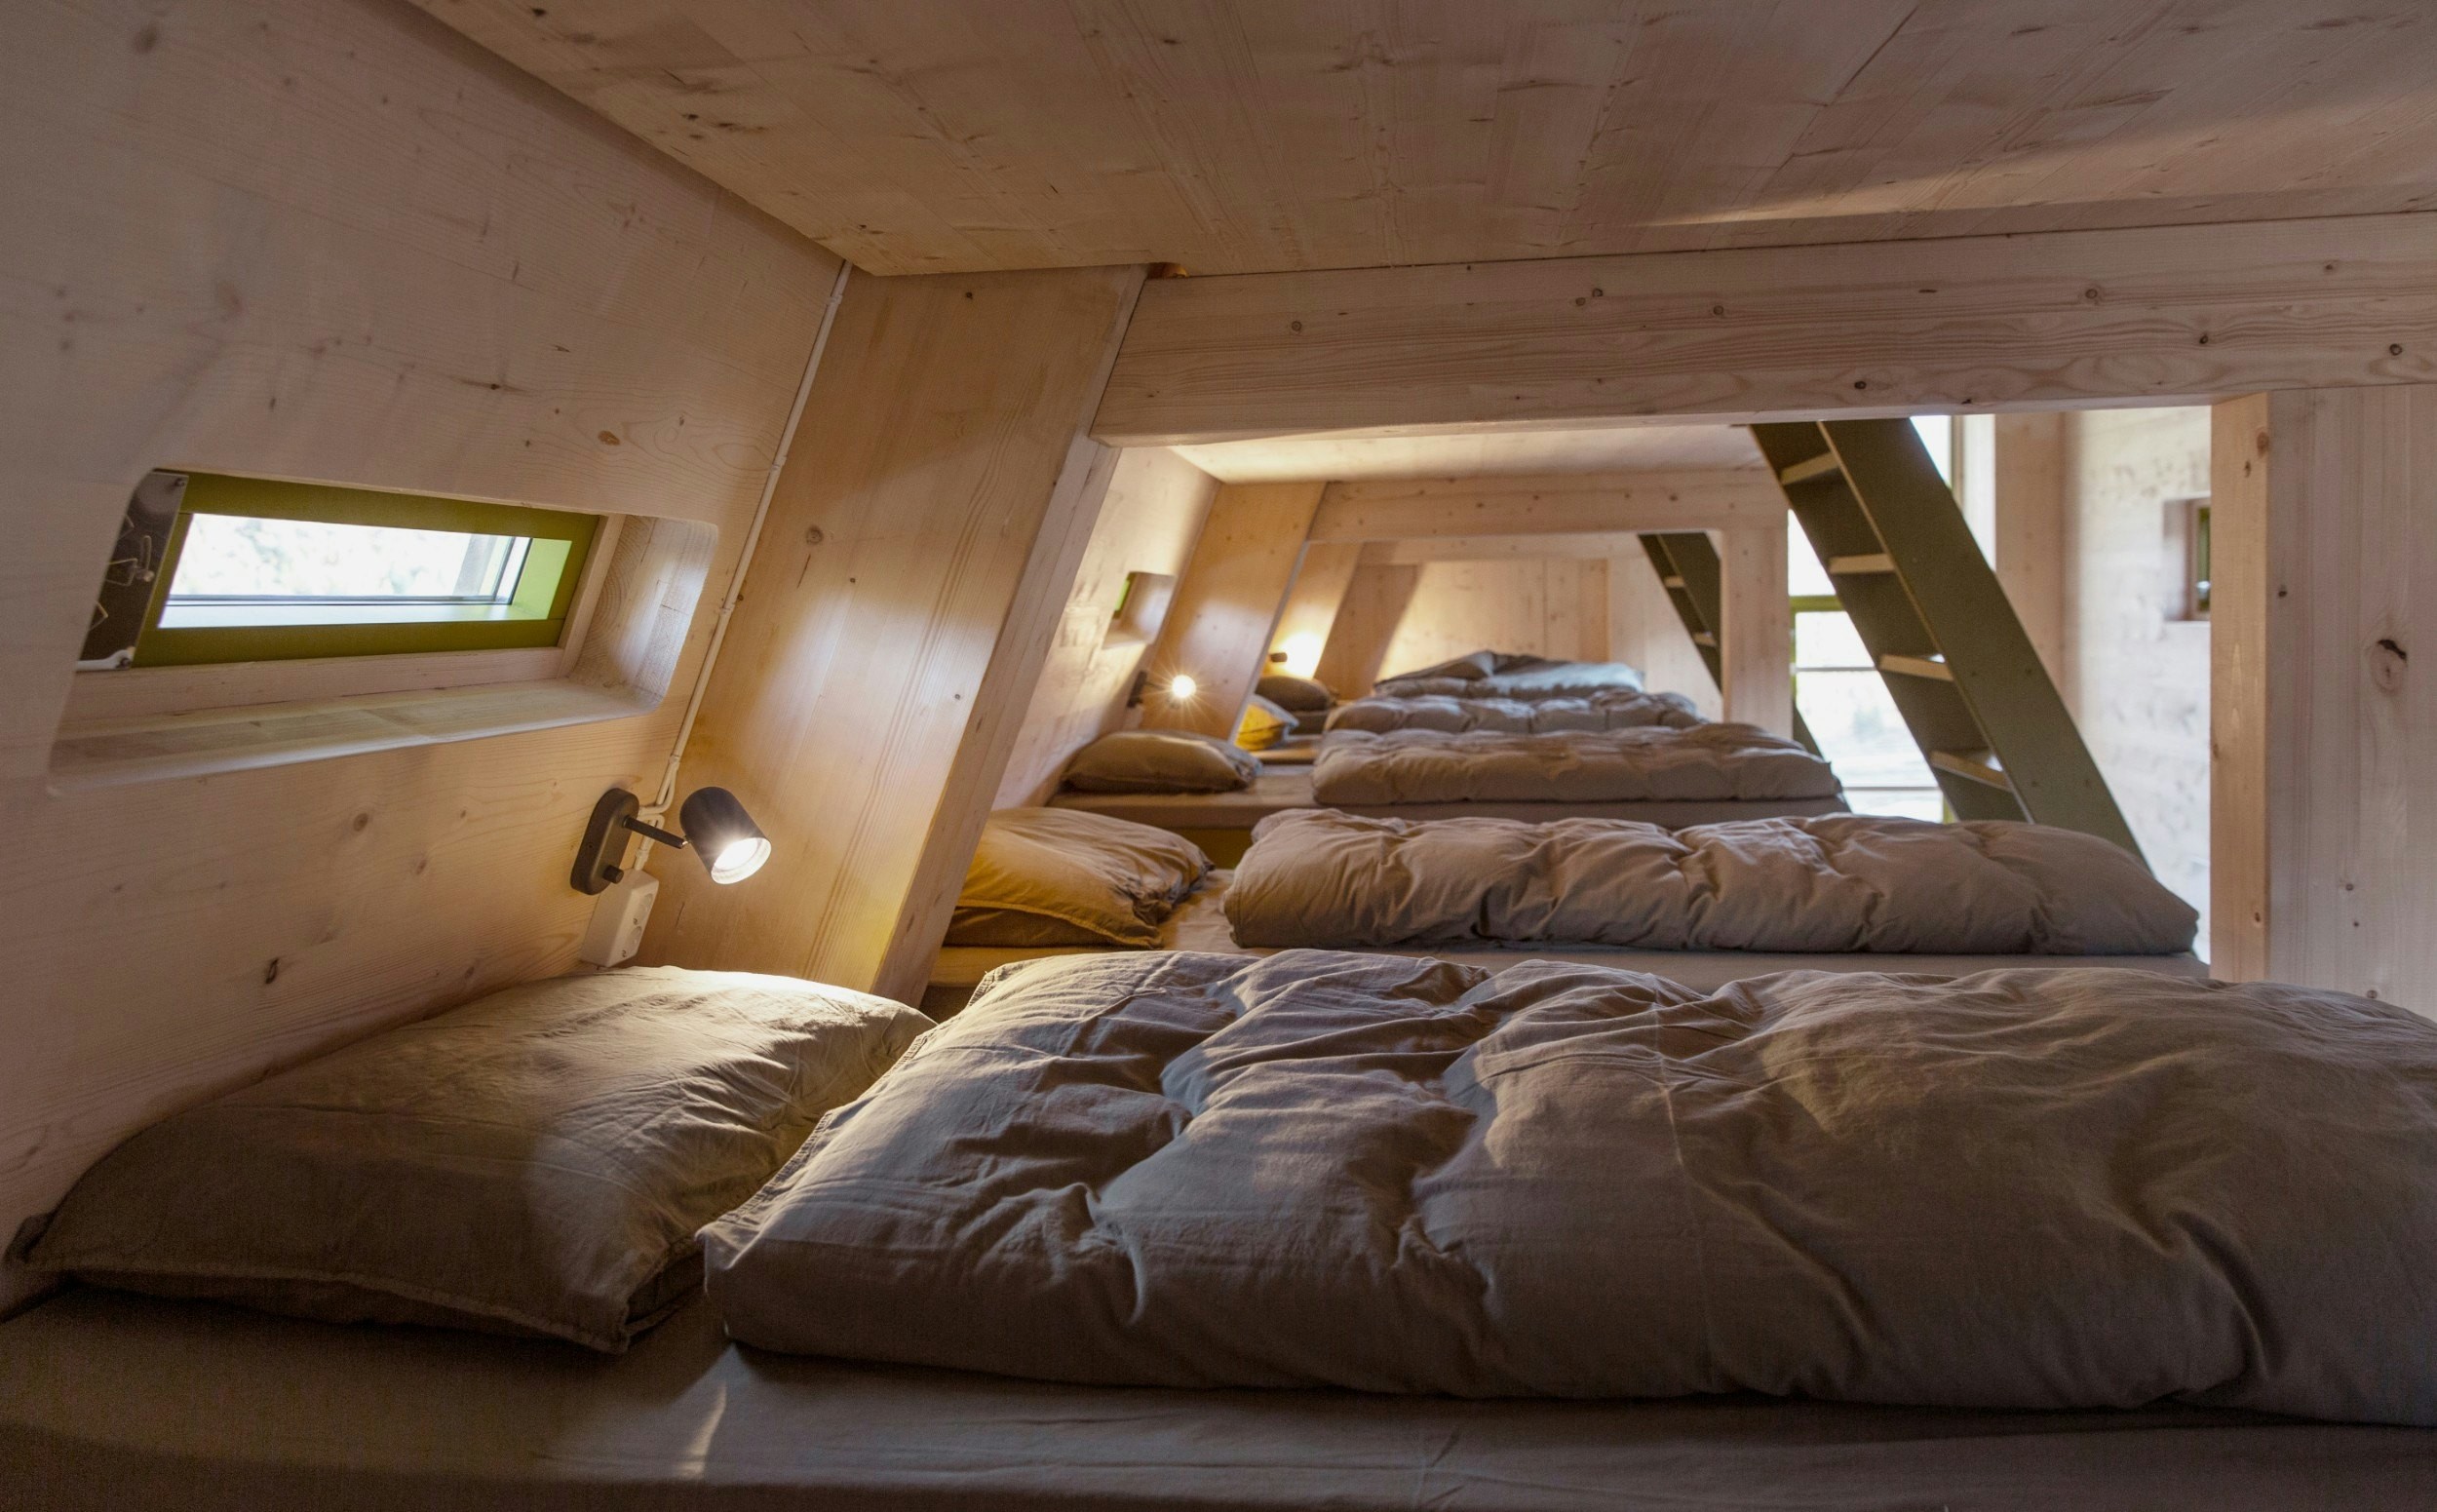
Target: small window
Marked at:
252, 570
1142, 605
2196, 567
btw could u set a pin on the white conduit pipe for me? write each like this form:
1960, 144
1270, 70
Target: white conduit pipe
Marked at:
657, 808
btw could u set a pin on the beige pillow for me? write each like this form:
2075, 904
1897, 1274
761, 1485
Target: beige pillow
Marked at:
1264, 725
1302, 696
536, 1162
1065, 877
1161, 761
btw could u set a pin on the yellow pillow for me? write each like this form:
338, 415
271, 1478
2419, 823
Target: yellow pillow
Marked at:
1265, 724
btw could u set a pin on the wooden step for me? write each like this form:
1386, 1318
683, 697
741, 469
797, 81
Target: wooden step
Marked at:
1704, 637
1676, 583
1810, 468
1974, 767
1856, 566
1928, 667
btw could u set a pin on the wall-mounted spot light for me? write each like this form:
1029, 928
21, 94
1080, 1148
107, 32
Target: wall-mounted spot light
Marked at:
1181, 689
1301, 653
713, 824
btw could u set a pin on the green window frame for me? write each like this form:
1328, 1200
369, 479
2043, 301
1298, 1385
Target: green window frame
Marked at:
561, 542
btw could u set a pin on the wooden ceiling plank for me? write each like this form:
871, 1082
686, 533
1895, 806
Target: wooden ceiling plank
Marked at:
1559, 504
2059, 320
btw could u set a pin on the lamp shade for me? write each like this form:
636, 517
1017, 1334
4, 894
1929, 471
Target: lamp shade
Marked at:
716, 828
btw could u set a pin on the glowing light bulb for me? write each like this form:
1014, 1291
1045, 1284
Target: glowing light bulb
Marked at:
1181, 689
1302, 653
740, 859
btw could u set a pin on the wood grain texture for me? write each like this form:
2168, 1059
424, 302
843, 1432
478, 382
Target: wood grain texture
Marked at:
1148, 523
1645, 630
2028, 527
2244, 696
1606, 449
2060, 320
935, 135
1367, 619
2331, 725
1227, 605
1495, 548
1311, 603
1554, 606
920, 548
329, 240
1559, 504
1755, 644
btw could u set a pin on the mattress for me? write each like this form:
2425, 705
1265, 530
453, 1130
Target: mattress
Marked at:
1200, 923
1287, 786
110, 1400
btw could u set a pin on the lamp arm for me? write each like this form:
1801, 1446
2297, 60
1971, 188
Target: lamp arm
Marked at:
651, 831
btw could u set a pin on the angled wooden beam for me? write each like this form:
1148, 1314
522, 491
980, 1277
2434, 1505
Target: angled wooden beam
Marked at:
1311, 603
2058, 319
1756, 656
1553, 504
1374, 604
1220, 624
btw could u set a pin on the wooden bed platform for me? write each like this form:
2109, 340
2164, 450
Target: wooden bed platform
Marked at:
110, 1401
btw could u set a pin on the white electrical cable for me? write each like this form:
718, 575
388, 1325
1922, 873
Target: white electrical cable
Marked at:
657, 809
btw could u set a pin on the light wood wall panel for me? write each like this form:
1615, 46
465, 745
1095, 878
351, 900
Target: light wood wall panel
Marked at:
1402, 509
1232, 136
2325, 843
1373, 606
1227, 605
2059, 321
1554, 606
327, 240
920, 549
1148, 523
1320, 584
1755, 651
1645, 629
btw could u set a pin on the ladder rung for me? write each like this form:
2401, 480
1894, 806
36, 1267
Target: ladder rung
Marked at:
1971, 767
1704, 637
1917, 666
1810, 468
1671, 582
1855, 566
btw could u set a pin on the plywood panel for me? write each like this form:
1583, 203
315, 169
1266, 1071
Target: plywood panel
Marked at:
1236, 136
1367, 620
1227, 603
1494, 548
1608, 448
920, 548
1311, 604
2030, 527
2321, 714
1148, 523
330, 241
1645, 629
2060, 320
1561, 504
1554, 606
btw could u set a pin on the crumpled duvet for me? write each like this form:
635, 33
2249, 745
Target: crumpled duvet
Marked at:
1706, 763
1840, 882
1509, 675
1620, 709
2025, 1189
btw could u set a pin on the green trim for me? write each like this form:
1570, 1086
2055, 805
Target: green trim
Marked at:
537, 616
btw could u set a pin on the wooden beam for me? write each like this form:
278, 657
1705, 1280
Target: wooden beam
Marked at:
1553, 504
2060, 320
1374, 604
1226, 612
1495, 548
1311, 603
2324, 616
1757, 658
918, 552
2030, 496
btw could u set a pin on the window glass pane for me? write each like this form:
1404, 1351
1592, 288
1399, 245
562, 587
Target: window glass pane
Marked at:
1936, 433
1805, 578
1823, 640
1859, 731
1904, 802
232, 556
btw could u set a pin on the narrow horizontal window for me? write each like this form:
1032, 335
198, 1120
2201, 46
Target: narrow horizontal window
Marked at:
254, 570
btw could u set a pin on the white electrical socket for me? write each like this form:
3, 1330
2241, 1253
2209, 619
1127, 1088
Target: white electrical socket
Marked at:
616, 932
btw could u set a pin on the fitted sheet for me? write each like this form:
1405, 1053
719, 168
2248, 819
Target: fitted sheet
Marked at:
116, 1402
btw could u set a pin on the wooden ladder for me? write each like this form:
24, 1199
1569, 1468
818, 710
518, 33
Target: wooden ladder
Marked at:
1687, 567
1931, 614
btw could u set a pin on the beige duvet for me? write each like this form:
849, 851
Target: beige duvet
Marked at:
1614, 711
1840, 882
1707, 763
2026, 1188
